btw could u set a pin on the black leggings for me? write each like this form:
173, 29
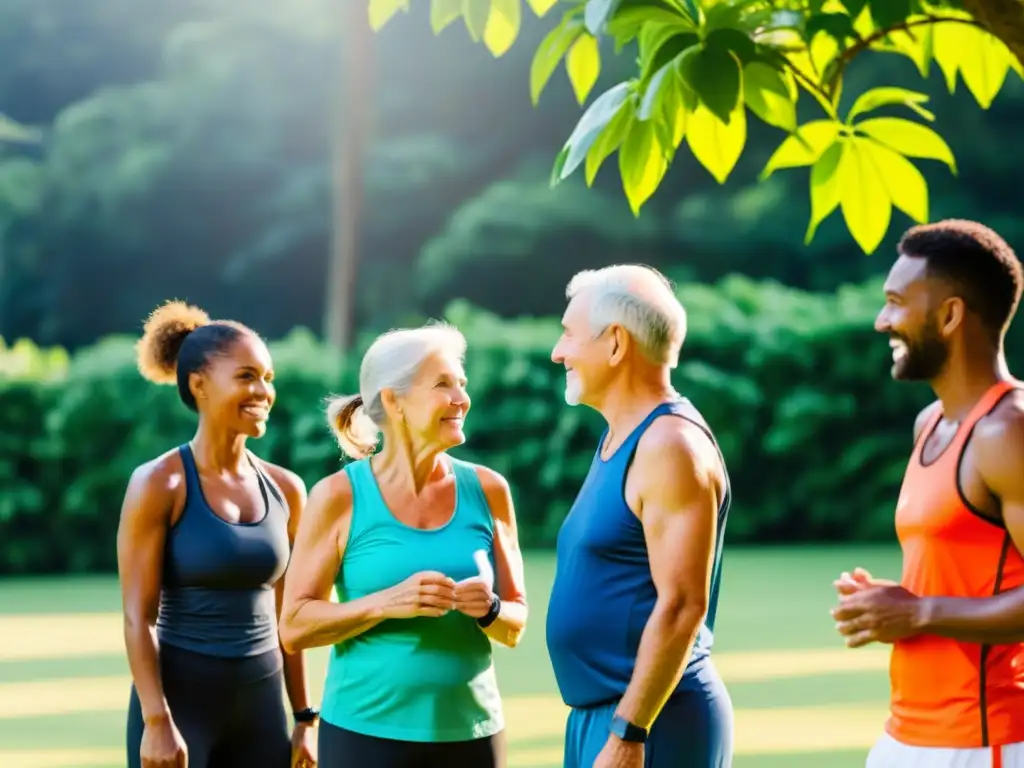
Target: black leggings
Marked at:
229, 711
339, 748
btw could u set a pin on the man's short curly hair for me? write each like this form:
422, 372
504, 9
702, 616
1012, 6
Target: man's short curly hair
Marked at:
980, 266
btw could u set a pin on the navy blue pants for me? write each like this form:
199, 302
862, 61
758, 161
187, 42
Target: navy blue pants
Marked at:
693, 730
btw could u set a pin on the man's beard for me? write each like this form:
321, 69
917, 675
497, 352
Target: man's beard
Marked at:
923, 360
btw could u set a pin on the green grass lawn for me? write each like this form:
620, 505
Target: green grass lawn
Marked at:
801, 699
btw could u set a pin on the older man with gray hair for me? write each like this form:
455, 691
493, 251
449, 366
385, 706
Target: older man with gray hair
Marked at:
632, 611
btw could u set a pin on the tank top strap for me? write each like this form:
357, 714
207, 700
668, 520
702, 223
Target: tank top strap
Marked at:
987, 403
193, 490
624, 453
368, 506
470, 492
266, 481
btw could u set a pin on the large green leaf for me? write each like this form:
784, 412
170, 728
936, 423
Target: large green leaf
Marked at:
888, 13
628, 23
916, 43
717, 145
865, 201
381, 11
583, 65
503, 26
607, 142
979, 58
713, 73
769, 95
444, 13
984, 66
549, 53
594, 120
476, 13
660, 43
825, 189
597, 13
909, 139
803, 147
906, 186
541, 7
642, 164
839, 26
887, 97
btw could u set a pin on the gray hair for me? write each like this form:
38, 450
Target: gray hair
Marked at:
391, 362
641, 300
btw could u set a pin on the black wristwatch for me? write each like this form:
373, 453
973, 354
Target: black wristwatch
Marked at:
492, 615
626, 731
307, 715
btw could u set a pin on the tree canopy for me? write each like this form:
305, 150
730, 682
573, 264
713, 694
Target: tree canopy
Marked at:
703, 65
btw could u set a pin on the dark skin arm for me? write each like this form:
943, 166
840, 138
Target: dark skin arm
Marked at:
677, 477
294, 491
146, 513
889, 613
509, 575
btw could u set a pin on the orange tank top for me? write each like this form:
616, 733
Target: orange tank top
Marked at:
947, 693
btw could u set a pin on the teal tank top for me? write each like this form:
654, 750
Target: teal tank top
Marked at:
421, 679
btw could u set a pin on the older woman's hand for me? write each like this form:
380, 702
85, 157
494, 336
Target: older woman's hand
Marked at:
473, 597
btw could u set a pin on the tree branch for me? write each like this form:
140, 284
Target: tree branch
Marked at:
843, 60
1004, 19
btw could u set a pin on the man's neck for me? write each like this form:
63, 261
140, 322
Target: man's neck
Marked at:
964, 382
625, 407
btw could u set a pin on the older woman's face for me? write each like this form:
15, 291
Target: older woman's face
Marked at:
435, 407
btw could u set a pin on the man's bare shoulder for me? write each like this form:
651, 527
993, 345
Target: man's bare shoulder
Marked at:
999, 435
672, 445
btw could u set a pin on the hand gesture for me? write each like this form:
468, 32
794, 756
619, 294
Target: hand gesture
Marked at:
879, 613
163, 746
473, 597
304, 746
427, 593
849, 583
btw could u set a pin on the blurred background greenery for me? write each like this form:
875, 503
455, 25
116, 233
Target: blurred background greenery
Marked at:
230, 155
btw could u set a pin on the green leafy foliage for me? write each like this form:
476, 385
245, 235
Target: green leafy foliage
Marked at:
703, 64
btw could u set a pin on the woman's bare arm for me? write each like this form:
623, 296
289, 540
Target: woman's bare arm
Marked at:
308, 617
510, 577
294, 491
145, 518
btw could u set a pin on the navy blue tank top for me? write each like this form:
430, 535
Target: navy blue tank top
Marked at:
603, 592
218, 595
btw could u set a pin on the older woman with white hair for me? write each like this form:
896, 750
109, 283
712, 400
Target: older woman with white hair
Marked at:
423, 550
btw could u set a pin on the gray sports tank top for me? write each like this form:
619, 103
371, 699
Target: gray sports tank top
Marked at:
219, 577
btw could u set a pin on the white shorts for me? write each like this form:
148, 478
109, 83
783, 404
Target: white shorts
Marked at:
889, 753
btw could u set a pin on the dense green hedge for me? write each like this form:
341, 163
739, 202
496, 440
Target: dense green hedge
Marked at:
796, 386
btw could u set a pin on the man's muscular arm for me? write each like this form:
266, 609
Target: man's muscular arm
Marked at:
676, 471
998, 447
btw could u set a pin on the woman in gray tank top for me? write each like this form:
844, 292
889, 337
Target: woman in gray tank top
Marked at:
205, 536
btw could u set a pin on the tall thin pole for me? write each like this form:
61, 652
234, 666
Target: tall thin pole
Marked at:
351, 106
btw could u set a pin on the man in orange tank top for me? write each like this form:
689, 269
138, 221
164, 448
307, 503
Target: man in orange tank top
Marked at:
956, 619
